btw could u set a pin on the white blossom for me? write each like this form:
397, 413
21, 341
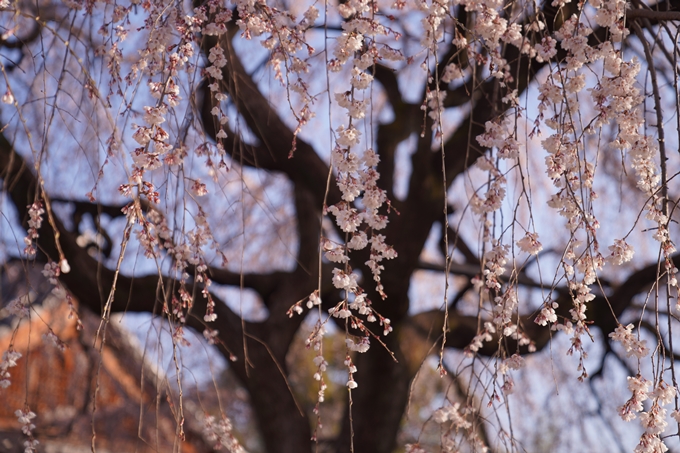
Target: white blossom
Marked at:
632, 345
530, 244
621, 252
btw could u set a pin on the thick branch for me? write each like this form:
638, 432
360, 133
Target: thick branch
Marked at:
306, 168
652, 14
388, 79
463, 328
473, 270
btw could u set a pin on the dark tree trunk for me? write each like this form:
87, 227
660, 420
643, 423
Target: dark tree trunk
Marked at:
379, 401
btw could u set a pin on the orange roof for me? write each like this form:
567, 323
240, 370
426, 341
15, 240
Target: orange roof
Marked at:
134, 410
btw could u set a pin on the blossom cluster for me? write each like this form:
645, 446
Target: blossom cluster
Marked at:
530, 244
632, 345
35, 212
9, 360
350, 311
20, 306
451, 413
653, 421
493, 199
358, 181
169, 51
359, 42
500, 141
499, 138
457, 428
617, 101
504, 298
156, 235
218, 433
285, 38
51, 272
315, 340
52, 339
25, 417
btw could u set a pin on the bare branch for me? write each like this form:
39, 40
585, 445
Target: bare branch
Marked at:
651, 14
